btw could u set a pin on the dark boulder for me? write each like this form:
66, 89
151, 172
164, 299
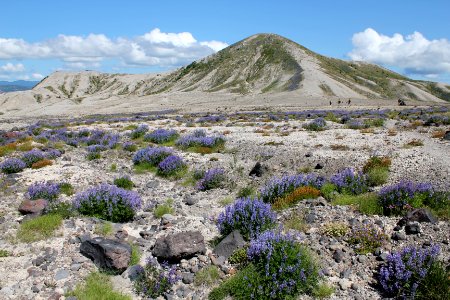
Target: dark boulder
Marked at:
447, 135
34, 207
412, 228
106, 253
418, 215
258, 170
229, 244
174, 247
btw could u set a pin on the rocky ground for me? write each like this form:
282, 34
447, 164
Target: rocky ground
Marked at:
48, 269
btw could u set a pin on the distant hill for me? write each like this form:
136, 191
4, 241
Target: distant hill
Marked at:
14, 86
265, 69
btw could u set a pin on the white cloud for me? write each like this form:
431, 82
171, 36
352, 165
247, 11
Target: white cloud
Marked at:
37, 76
12, 68
414, 53
152, 48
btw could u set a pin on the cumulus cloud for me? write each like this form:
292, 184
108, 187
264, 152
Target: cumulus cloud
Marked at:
12, 68
151, 49
414, 53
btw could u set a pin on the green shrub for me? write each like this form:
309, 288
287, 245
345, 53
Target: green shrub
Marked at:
246, 191
104, 229
322, 291
366, 203
4, 253
93, 156
113, 167
207, 276
239, 257
135, 255
328, 190
97, 287
377, 176
63, 209
335, 229
66, 188
162, 209
124, 182
39, 228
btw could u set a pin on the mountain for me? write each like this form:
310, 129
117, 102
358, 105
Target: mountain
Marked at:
14, 86
261, 67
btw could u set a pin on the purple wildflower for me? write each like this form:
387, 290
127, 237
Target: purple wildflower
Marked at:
44, 190
160, 136
151, 156
351, 182
32, 156
170, 165
12, 165
213, 178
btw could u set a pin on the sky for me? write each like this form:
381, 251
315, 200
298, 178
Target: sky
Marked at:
137, 36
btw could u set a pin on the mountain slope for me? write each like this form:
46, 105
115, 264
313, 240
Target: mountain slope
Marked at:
264, 64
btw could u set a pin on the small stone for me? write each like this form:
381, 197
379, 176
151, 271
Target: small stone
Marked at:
398, 236
338, 255
355, 286
33, 207
121, 234
35, 289
412, 228
397, 228
383, 256
362, 258
61, 274
218, 261
346, 273
167, 219
189, 200
327, 272
344, 284
319, 166
310, 218
75, 267
187, 278
38, 261
133, 272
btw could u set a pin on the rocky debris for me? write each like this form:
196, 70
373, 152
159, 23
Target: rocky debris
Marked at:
106, 253
447, 135
229, 244
174, 247
412, 228
398, 236
418, 215
189, 200
33, 207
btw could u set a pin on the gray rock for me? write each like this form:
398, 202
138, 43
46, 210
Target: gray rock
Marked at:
344, 284
174, 247
61, 274
258, 170
33, 207
319, 166
187, 278
355, 286
152, 184
447, 135
229, 244
218, 261
362, 258
421, 215
121, 234
338, 255
167, 218
189, 200
133, 272
75, 267
398, 236
412, 228
107, 253
310, 218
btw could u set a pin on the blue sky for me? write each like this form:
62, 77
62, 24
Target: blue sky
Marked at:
39, 37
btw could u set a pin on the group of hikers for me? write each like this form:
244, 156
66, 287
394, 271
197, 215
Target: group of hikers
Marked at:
400, 102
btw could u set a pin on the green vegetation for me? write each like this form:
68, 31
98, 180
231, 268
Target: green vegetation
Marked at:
97, 287
434, 89
39, 228
135, 255
365, 203
104, 229
66, 188
207, 276
296, 221
162, 209
335, 229
246, 191
322, 290
124, 182
4, 253
113, 167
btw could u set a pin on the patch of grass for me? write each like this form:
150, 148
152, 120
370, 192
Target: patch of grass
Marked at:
413, 143
226, 201
135, 255
27, 146
104, 229
144, 168
113, 167
93, 156
130, 127
7, 149
305, 170
296, 221
207, 276
328, 191
39, 228
322, 290
163, 209
97, 287
124, 182
4, 253
246, 191
365, 203
377, 176
66, 188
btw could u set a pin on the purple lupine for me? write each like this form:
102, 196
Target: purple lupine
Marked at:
199, 138
279, 187
12, 165
129, 146
160, 136
403, 270
44, 190
52, 153
317, 124
250, 216
351, 182
397, 198
150, 155
108, 202
95, 148
213, 178
367, 237
170, 165
139, 131
33, 156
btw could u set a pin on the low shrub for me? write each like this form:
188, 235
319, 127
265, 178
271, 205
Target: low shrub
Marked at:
108, 202
64, 209
93, 155
377, 162
317, 124
39, 228
366, 203
335, 229
162, 209
303, 192
124, 182
239, 257
4, 253
296, 221
212, 179
42, 163
44, 190
207, 276
366, 237
66, 188
139, 131
377, 176
32, 156
161, 136
171, 165
328, 191
280, 187
129, 146
104, 229
246, 191
398, 198
199, 140
12, 165
348, 181
249, 216
414, 273
135, 255
155, 280
151, 156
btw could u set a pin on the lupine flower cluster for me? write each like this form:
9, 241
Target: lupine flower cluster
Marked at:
12, 165
280, 187
356, 124
367, 237
32, 156
171, 165
348, 181
154, 280
199, 138
212, 179
44, 190
403, 272
160, 136
250, 216
151, 156
211, 119
52, 153
95, 148
283, 266
317, 124
405, 195
108, 202
139, 131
